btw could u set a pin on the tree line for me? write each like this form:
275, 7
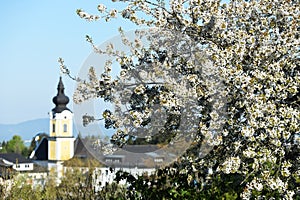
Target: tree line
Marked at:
17, 145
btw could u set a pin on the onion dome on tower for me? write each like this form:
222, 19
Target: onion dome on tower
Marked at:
60, 100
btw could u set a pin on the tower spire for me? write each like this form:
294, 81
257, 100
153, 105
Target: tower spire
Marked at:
60, 100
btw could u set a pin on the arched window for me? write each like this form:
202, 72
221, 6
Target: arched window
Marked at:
53, 128
65, 128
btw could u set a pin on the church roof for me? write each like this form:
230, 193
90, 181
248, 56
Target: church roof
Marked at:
80, 151
60, 100
41, 151
140, 148
82, 156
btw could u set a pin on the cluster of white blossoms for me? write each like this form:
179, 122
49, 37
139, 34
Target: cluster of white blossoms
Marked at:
231, 165
87, 16
101, 8
254, 47
257, 185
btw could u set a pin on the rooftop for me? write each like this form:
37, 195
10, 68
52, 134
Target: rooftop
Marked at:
14, 158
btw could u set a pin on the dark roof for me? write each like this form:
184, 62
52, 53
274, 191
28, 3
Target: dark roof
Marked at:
140, 148
143, 156
82, 156
132, 156
41, 151
14, 158
60, 100
3, 164
80, 150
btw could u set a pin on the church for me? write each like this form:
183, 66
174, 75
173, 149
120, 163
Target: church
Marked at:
59, 148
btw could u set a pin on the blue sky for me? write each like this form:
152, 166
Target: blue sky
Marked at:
34, 34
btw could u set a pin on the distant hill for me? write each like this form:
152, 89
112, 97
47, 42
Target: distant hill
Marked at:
26, 130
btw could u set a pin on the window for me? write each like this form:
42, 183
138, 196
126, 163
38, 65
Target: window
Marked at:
65, 128
53, 128
158, 160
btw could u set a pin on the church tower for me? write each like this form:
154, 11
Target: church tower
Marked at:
61, 140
